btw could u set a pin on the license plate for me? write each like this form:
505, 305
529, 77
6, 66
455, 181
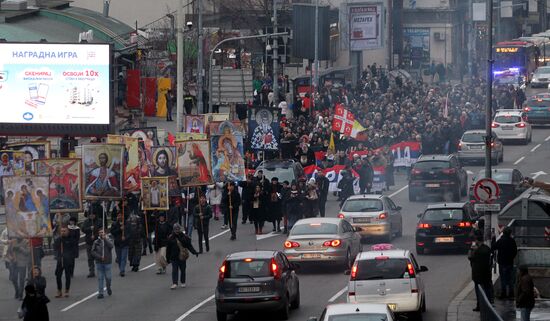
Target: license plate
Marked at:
432, 185
361, 220
507, 127
444, 239
249, 289
392, 306
476, 147
311, 256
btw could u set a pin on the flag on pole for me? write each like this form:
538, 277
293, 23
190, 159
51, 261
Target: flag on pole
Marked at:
356, 129
331, 146
446, 108
345, 123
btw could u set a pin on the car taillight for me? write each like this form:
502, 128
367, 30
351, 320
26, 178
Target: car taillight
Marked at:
382, 216
275, 271
526, 108
416, 171
290, 244
459, 146
341, 215
493, 144
410, 270
353, 273
495, 125
520, 125
332, 243
424, 225
221, 276
464, 224
449, 171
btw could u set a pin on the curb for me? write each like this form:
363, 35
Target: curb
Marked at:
454, 305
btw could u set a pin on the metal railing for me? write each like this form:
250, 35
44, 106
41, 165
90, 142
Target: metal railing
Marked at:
487, 311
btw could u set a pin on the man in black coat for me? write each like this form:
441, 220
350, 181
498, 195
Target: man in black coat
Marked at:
247, 195
119, 232
346, 186
366, 176
507, 250
274, 203
323, 185
261, 180
64, 249
202, 214
162, 231
481, 263
231, 200
91, 227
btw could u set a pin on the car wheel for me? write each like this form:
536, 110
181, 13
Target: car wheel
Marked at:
221, 316
285, 310
295, 304
417, 315
419, 250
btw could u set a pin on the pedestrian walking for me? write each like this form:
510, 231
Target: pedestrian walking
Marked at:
480, 262
322, 185
19, 260
231, 200
312, 199
215, 199
34, 306
37, 245
64, 249
525, 294
118, 232
247, 192
74, 234
146, 224
202, 214
177, 253
507, 250
162, 230
38, 282
293, 206
366, 176
134, 233
257, 214
274, 203
90, 227
285, 195
102, 252
169, 104
346, 186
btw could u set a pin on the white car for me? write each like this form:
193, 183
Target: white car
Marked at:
388, 276
541, 77
512, 124
356, 311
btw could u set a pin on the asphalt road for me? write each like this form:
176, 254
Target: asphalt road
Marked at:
146, 296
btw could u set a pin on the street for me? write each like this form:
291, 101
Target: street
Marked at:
146, 296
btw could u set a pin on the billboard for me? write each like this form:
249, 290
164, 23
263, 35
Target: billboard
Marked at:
55, 89
365, 27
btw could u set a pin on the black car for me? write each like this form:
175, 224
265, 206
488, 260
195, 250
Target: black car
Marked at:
445, 226
257, 280
284, 170
509, 182
438, 175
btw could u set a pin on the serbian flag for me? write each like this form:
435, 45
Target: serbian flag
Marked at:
343, 120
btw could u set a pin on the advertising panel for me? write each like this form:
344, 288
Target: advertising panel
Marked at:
416, 46
365, 27
55, 84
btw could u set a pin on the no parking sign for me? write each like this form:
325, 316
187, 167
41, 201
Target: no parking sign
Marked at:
486, 190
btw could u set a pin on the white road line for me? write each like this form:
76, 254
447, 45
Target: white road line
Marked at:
266, 236
399, 191
147, 267
218, 235
519, 160
535, 148
195, 308
81, 301
547, 139
337, 295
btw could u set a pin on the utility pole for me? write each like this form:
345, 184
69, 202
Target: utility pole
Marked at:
316, 61
471, 37
275, 58
489, 109
179, 75
200, 63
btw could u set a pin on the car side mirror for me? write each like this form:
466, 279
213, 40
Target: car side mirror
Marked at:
423, 268
347, 272
398, 208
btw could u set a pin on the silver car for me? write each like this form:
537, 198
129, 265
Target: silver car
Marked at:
541, 77
356, 311
373, 216
323, 239
471, 147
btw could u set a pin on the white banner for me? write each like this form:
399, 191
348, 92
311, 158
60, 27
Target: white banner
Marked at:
365, 27
479, 11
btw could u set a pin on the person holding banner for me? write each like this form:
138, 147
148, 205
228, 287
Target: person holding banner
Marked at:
64, 249
202, 214
118, 229
134, 234
231, 200
162, 231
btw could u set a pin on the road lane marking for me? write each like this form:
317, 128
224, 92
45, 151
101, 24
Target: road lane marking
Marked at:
547, 139
399, 191
81, 301
519, 160
147, 267
266, 236
195, 308
535, 148
218, 235
337, 295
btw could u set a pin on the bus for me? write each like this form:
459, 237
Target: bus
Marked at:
516, 54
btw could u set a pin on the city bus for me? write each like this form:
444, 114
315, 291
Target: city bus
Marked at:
517, 55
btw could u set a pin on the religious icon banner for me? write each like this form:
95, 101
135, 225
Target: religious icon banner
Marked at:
33, 151
189, 136
132, 172
103, 171
12, 163
263, 128
193, 163
227, 153
27, 206
65, 188
154, 192
147, 135
164, 161
194, 124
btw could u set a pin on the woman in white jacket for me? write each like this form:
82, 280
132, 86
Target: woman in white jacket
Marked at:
215, 198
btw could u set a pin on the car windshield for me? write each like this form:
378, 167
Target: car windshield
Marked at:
248, 268
499, 176
282, 173
381, 268
359, 317
473, 138
314, 228
542, 71
539, 103
507, 80
431, 165
443, 214
507, 119
363, 205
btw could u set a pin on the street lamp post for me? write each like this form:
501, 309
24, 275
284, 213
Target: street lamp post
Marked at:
488, 109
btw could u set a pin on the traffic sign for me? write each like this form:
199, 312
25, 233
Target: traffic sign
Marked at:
487, 207
486, 190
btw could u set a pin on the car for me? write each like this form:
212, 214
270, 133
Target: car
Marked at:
438, 175
356, 311
373, 216
509, 182
541, 77
323, 239
537, 109
509, 77
257, 281
471, 147
389, 276
445, 226
284, 170
512, 125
